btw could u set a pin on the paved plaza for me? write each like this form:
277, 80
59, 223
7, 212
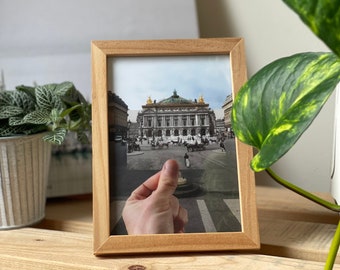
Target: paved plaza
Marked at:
211, 194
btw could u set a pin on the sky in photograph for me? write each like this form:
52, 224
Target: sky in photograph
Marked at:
134, 79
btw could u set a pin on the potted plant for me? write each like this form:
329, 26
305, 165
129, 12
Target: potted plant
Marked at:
279, 102
31, 120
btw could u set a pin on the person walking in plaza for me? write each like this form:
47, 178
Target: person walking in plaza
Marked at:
186, 160
222, 146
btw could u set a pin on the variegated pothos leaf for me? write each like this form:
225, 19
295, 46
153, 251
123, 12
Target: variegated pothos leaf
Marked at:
276, 105
322, 17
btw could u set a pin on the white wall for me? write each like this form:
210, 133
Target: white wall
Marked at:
46, 41
271, 30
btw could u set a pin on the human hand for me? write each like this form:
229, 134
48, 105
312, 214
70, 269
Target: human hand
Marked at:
152, 208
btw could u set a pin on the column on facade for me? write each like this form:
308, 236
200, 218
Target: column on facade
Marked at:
207, 131
162, 124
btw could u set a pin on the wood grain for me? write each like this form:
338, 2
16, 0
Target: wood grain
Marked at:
280, 203
64, 240
248, 238
31, 248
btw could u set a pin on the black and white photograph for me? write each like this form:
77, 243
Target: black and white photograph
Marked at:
178, 108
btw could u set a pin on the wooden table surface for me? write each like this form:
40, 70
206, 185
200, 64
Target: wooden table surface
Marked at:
295, 234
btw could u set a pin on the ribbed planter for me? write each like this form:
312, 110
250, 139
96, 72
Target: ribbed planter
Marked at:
24, 166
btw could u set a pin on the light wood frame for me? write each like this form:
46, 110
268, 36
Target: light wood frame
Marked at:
104, 242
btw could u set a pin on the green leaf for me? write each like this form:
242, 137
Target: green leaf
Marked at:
55, 107
69, 94
56, 137
23, 100
15, 121
83, 137
34, 129
10, 131
274, 108
46, 99
9, 111
5, 98
322, 17
68, 111
17, 99
29, 90
38, 117
65, 89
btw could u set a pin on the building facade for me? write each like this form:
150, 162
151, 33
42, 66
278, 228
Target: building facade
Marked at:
176, 117
227, 107
117, 116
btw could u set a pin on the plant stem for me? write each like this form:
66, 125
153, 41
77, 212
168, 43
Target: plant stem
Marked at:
302, 192
332, 206
333, 249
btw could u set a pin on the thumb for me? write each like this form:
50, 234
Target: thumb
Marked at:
168, 178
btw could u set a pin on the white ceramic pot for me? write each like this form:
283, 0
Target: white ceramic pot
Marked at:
24, 166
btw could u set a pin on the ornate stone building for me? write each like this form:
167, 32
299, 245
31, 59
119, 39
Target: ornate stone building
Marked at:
117, 115
227, 106
176, 117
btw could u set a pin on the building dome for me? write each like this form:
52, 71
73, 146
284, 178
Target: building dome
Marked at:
175, 99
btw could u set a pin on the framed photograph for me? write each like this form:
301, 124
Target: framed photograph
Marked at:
160, 100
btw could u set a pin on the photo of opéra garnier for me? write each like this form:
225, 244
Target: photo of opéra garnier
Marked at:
198, 137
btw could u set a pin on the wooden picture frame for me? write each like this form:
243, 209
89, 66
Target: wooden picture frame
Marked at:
106, 243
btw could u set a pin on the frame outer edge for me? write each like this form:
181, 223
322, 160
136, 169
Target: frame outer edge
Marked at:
100, 179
